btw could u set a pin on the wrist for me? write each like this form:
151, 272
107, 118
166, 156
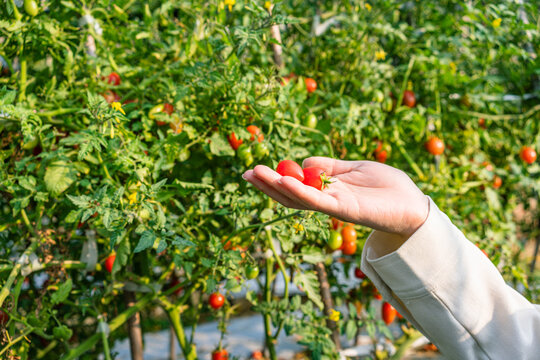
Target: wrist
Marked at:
416, 218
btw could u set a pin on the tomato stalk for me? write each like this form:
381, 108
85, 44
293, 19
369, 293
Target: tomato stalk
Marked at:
509, 117
22, 78
12, 342
405, 341
269, 339
16, 12
286, 277
134, 329
261, 225
189, 350
105, 342
326, 296
405, 80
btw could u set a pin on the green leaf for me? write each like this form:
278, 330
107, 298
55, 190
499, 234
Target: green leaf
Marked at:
62, 293
220, 146
146, 241
310, 284
58, 177
312, 254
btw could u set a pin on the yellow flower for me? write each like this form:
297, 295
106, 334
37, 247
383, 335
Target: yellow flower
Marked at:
496, 23
453, 67
380, 54
230, 3
221, 5
118, 107
368, 7
334, 315
268, 5
298, 227
132, 197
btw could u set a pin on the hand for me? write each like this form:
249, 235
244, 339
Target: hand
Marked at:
362, 192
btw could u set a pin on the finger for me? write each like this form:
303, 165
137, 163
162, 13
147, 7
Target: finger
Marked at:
331, 166
270, 191
312, 198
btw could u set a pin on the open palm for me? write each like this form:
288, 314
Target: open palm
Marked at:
362, 192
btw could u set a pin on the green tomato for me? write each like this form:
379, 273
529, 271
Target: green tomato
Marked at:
184, 155
311, 121
261, 150
244, 154
144, 214
378, 96
31, 7
335, 241
387, 104
153, 111
31, 144
252, 272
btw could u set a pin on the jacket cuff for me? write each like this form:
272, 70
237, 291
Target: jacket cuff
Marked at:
413, 269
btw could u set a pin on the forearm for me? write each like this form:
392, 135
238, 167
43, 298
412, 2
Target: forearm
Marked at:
446, 286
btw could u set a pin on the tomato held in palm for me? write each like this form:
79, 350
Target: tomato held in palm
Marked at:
389, 313
335, 240
497, 182
216, 300
234, 141
109, 262
290, 168
435, 146
255, 132
381, 156
311, 121
409, 99
114, 79
528, 154
315, 177
311, 85
359, 273
349, 247
220, 355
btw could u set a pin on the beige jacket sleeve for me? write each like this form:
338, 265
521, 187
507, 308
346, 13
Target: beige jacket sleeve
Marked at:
450, 291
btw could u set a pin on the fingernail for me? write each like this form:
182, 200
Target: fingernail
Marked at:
244, 176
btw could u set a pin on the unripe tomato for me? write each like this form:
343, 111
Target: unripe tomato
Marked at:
336, 224
109, 262
113, 79
314, 177
311, 121
409, 99
290, 168
349, 247
335, 240
497, 182
435, 146
311, 85
255, 131
387, 104
381, 156
216, 300
389, 313
260, 150
244, 154
31, 7
528, 154
252, 272
359, 273
378, 96
234, 142
220, 355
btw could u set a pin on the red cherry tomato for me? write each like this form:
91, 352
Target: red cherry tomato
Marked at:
255, 131
409, 99
336, 224
381, 156
4, 317
379, 144
216, 300
257, 355
109, 262
528, 154
220, 355
110, 96
311, 85
435, 146
290, 168
234, 142
348, 233
349, 247
388, 313
482, 123
314, 177
497, 182
113, 79
376, 294
359, 273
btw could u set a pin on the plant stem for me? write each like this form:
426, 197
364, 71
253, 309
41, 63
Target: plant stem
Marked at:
254, 226
16, 12
305, 128
525, 115
404, 83
327, 301
286, 278
269, 339
22, 76
189, 350
26, 331
134, 329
